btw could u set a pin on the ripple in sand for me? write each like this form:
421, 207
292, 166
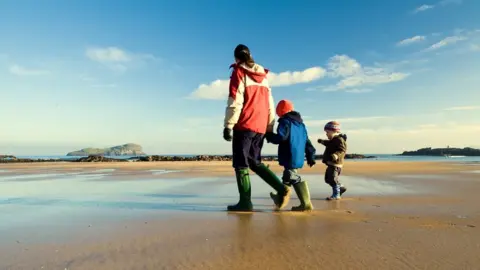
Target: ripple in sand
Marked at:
28, 176
104, 170
159, 172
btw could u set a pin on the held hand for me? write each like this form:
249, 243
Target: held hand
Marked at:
320, 141
227, 134
311, 163
268, 136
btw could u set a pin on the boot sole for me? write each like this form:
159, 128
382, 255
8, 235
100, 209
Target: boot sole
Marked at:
302, 210
286, 198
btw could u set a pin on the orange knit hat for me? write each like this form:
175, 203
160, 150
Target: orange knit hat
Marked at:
284, 107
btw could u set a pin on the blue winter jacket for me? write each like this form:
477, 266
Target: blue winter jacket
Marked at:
293, 142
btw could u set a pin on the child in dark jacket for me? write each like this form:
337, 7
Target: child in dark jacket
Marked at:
333, 157
293, 147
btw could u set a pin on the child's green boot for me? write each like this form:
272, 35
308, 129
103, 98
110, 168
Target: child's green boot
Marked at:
303, 195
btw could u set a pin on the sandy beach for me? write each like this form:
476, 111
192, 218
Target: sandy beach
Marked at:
161, 215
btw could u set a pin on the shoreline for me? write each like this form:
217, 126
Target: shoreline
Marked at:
148, 158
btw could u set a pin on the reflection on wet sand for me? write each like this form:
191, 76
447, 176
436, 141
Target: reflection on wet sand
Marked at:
137, 219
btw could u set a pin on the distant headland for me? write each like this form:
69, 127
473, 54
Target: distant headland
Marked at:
467, 151
129, 149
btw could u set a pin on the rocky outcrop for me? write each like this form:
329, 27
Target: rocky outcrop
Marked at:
224, 158
14, 159
99, 159
467, 151
154, 158
129, 149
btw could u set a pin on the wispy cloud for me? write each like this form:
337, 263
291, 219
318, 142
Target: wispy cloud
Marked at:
321, 123
353, 75
23, 71
442, 3
411, 40
463, 108
116, 58
460, 41
218, 89
110, 85
445, 42
475, 47
448, 2
423, 8
359, 90
427, 126
87, 78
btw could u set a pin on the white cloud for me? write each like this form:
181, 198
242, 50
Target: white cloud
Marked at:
110, 54
359, 90
423, 8
427, 126
448, 2
445, 42
218, 89
23, 71
321, 123
343, 66
395, 140
463, 108
110, 85
354, 75
289, 78
411, 40
87, 78
441, 3
475, 47
116, 58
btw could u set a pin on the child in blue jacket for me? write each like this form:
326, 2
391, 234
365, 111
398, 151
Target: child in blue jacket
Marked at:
293, 147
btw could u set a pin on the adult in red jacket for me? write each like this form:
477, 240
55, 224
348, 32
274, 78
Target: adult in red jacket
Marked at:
249, 115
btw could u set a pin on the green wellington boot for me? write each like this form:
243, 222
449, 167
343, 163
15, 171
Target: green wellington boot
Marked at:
283, 191
245, 192
303, 194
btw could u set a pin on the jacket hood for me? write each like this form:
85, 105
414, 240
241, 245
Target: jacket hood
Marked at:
344, 136
294, 116
257, 73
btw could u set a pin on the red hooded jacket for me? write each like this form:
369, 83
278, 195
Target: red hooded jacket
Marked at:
250, 105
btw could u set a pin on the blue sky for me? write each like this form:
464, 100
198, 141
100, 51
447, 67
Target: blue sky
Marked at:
398, 75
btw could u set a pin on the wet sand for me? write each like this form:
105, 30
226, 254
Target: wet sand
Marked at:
395, 215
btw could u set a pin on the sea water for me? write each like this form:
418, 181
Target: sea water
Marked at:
378, 157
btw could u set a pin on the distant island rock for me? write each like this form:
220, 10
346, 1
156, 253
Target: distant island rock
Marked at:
153, 158
129, 149
467, 151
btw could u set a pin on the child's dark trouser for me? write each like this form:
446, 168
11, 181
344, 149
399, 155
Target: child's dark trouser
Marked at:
291, 177
247, 150
332, 175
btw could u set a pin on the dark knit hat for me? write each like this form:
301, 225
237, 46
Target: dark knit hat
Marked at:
332, 126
